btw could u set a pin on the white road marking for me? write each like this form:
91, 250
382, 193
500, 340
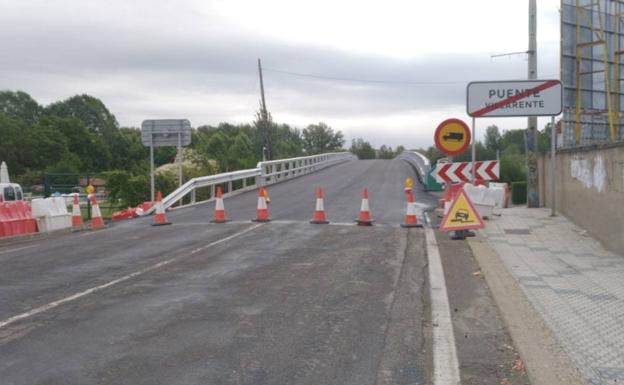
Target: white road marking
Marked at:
445, 364
17, 249
92, 290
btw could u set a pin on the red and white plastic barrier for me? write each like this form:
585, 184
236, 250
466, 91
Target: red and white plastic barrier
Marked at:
16, 219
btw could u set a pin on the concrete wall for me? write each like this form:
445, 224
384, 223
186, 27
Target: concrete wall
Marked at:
589, 188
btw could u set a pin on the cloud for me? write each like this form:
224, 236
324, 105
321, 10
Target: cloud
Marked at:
148, 59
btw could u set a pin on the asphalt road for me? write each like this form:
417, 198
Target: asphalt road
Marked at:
285, 302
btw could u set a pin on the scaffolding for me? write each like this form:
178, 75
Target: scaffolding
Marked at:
591, 49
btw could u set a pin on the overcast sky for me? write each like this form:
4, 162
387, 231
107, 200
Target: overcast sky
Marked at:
196, 59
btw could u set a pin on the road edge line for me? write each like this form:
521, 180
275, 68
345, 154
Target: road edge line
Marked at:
126, 277
445, 363
545, 360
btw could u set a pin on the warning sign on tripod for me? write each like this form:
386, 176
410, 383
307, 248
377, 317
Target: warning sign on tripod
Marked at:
462, 215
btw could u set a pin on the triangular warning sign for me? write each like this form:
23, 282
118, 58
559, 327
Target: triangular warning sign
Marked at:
461, 215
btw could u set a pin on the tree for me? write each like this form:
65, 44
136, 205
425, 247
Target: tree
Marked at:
362, 149
21, 106
89, 151
320, 138
128, 151
493, 138
91, 111
385, 152
514, 138
399, 150
26, 147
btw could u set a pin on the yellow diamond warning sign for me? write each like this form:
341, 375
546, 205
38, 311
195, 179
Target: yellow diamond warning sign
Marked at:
461, 215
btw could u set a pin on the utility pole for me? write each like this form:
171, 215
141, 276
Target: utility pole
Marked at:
265, 116
531, 132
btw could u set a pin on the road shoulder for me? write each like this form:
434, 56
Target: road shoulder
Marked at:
546, 363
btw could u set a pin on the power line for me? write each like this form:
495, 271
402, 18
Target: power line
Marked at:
364, 80
355, 80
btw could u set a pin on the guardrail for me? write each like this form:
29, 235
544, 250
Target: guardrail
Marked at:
420, 162
265, 173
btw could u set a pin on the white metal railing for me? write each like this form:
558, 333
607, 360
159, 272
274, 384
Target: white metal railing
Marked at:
420, 162
265, 173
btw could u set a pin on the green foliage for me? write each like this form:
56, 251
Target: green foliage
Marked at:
89, 110
21, 106
320, 138
362, 149
385, 152
127, 189
519, 192
493, 139
514, 138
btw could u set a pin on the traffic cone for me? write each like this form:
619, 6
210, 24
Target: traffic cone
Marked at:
319, 213
410, 215
364, 218
262, 213
219, 214
76, 214
160, 219
96, 216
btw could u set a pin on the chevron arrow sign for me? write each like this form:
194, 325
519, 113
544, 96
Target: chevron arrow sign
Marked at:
462, 171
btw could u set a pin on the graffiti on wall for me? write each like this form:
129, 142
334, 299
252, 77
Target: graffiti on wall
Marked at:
590, 172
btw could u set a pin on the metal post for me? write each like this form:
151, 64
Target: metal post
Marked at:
180, 159
474, 150
553, 167
531, 133
152, 165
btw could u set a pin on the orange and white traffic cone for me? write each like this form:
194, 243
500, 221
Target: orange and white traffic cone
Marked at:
365, 217
219, 214
96, 215
160, 219
319, 212
410, 215
262, 213
76, 214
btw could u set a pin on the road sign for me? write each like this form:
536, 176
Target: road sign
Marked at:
514, 98
452, 137
164, 132
461, 215
462, 171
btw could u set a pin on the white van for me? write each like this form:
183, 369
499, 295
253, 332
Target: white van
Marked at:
10, 192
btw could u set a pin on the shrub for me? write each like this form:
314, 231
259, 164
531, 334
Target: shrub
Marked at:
518, 192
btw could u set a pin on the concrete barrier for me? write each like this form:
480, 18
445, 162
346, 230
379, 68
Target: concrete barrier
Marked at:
51, 214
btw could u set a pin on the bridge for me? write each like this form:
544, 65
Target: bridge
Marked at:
284, 302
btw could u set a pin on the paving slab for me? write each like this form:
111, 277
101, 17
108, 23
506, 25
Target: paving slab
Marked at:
572, 281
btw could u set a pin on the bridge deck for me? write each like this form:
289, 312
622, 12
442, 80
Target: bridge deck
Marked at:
283, 302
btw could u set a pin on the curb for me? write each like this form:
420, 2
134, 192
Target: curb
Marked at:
546, 362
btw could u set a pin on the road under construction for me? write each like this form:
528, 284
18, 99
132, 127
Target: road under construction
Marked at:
282, 302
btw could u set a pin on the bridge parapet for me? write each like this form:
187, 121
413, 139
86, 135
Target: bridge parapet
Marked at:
420, 162
265, 173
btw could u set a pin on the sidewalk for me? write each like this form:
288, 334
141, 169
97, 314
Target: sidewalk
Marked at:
572, 282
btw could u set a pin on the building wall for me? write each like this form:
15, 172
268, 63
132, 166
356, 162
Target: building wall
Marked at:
589, 188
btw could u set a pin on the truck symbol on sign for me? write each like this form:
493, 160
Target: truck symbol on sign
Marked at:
456, 136
461, 216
